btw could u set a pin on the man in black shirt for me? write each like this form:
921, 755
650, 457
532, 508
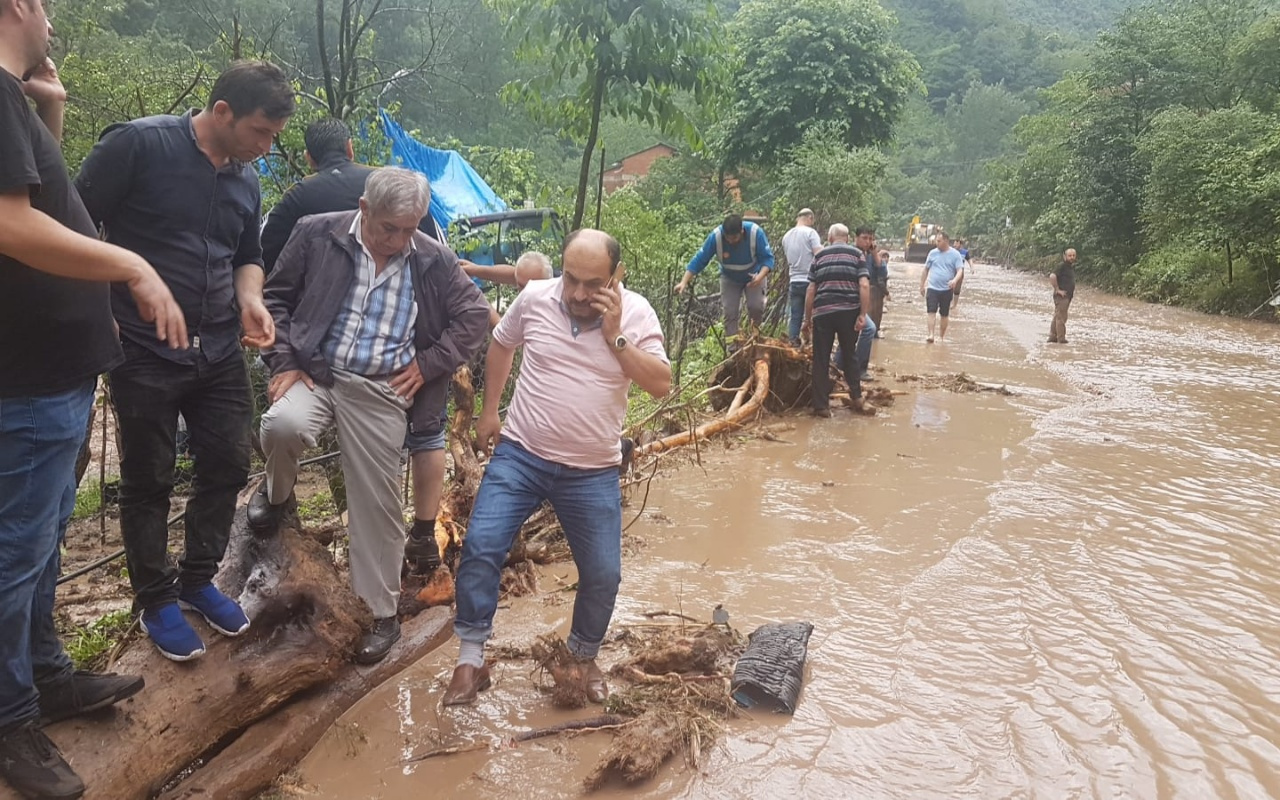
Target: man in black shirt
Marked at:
1063, 280
337, 185
56, 336
181, 192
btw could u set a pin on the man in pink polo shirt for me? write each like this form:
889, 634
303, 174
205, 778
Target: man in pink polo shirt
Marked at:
586, 339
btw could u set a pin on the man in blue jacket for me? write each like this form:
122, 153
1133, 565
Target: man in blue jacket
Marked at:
745, 261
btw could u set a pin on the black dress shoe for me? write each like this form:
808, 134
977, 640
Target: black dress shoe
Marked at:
375, 644
262, 515
83, 692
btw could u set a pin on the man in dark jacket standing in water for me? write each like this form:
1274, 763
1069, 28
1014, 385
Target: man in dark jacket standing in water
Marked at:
1063, 280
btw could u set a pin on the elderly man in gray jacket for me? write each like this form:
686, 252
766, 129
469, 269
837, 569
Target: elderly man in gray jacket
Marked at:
372, 318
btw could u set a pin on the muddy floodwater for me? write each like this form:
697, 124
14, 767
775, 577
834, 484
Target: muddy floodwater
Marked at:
1071, 592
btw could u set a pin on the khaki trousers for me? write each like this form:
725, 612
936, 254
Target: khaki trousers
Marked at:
371, 421
1058, 328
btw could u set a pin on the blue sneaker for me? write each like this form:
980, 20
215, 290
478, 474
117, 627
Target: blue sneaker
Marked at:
172, 635
222, 613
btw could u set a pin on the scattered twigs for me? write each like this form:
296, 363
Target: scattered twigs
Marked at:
645, 500
446, 751
676, 614
603, 722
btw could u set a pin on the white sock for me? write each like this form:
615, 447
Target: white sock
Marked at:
471, 653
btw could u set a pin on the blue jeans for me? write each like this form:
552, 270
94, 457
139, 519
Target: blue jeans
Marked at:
796, 293
40, 438
588, 503
863, 348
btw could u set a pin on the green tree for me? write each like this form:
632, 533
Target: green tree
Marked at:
840, 184
623, 58
803, 62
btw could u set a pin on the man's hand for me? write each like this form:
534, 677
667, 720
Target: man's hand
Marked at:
156, 304
861, 323
280, 384
951, 284
407, 381
683, 284
608, 301
1059, 293
259, 327
755, 282
488, 430
922, 290
806, 326
43, 85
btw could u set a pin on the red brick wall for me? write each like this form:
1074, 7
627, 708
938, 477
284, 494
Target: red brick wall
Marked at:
634, 167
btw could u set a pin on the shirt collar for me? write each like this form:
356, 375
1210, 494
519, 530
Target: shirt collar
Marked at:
355, 233
232, 165
574, 326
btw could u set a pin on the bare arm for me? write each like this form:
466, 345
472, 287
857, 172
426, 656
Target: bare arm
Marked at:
497, 273
645, 370
864, 297
259, 327
37, 240
497, 370
44, 87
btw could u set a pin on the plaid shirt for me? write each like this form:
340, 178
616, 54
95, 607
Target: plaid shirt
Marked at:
373, 334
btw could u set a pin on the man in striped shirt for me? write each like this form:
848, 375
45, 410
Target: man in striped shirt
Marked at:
372, 318
835, 308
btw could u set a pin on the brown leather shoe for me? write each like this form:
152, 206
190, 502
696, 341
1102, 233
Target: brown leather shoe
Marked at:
597, 689
466, 683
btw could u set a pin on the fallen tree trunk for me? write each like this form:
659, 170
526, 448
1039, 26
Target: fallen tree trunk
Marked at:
306, 621
734, 419
254, 761
253, 706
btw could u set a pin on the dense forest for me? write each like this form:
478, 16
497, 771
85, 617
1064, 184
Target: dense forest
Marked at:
1141, 134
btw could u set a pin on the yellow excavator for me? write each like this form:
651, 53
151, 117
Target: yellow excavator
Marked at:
920, 239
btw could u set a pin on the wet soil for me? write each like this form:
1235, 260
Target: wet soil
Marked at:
1064, 591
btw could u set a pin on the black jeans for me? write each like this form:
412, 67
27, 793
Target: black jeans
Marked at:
826, 329
215, 400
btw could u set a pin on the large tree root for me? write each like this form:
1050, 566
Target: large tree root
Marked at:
735, 418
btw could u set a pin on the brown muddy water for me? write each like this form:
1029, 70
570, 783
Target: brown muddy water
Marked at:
1072, 592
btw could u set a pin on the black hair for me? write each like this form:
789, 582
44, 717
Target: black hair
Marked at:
250, 86
327, 137
732, 225
610, 244
866, 230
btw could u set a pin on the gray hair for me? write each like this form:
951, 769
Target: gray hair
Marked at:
837, 231
535, 265
396, 191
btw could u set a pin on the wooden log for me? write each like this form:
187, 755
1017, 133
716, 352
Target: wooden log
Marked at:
306, 622
739, 417
275, 745
253, 706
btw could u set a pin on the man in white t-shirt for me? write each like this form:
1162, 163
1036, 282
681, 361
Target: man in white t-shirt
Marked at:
585, 340
800, 244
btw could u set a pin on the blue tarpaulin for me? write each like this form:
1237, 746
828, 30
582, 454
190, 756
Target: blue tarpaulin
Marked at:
457, 190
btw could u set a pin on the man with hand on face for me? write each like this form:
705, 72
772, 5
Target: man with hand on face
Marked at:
181, 192
56, 337
586, 339
372, 318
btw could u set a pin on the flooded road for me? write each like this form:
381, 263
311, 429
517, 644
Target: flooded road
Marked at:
1073, 592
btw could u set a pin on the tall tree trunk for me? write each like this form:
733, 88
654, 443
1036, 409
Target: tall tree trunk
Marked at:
1230, 270
322, 51
584, 173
